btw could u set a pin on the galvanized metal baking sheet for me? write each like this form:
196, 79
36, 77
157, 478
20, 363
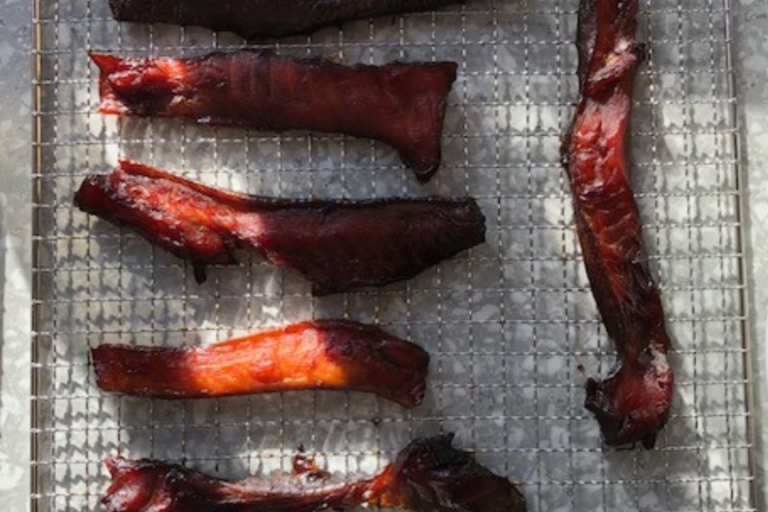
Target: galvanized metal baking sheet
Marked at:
511, 325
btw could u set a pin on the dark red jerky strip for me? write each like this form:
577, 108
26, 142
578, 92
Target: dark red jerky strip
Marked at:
321, 354
336, 245
263, 18
400, 104
429, 475
633, 403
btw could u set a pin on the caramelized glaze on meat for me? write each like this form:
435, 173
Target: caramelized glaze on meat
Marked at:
263, 18
400, 104
324, 354
429, 475
336, 245
632, 404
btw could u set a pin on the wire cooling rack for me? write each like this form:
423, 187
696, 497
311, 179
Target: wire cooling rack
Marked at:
511, 325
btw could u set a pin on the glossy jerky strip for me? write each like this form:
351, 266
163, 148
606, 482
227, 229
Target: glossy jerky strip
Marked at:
632, 404
429, 475
400, 104
324, 354
336, 245
263, 18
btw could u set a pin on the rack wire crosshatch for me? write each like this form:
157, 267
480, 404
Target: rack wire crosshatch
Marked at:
511, 326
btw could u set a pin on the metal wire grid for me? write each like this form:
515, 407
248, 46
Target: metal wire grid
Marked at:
511, 326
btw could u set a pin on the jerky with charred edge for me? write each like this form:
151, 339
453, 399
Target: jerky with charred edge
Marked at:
632, 404
336, 245
322, 354
263, 18
400, 104
429, 475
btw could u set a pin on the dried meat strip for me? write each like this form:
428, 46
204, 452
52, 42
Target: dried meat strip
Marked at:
336, 245
322, 354
429, 475
633, 403
263, 18
400, 104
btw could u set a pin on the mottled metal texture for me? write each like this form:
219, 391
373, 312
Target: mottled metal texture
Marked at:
511, 326
15, 251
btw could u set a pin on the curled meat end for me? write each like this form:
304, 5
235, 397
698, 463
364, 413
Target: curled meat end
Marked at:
323, 354
632, 404
336, 245
401, 104
429, 475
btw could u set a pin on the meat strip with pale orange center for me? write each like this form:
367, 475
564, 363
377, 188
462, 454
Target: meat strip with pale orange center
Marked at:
322, 354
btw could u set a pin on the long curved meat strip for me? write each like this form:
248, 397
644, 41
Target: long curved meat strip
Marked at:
429, 475
400, 104
632, 404
336, 245
323, 354
263, 18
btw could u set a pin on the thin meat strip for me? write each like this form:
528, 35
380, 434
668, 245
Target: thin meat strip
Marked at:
633, 403
263, 18
429, 475
400, 104
336, 245
322, 354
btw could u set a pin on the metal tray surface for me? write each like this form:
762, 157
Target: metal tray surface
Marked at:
511, 325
